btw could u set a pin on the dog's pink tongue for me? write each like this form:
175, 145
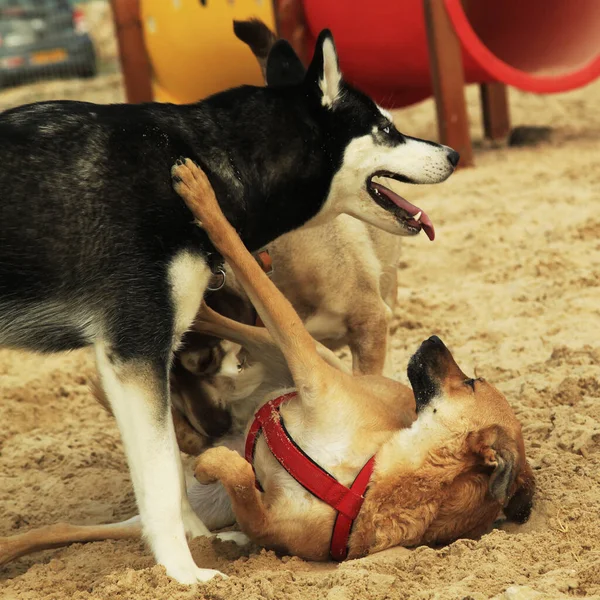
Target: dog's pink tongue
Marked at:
411, 209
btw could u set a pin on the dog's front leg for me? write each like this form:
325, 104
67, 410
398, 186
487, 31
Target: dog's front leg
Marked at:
368, 329
138, 393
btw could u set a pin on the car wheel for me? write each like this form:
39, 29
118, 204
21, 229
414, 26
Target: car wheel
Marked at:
88, 70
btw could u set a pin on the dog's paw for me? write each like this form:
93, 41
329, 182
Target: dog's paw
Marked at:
188, 178
192, 184
203, 477
212, 462
204, 575
183, 176
194, 575
239, 538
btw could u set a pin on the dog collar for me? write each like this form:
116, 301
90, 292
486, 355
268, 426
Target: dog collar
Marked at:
346, 501
217, 280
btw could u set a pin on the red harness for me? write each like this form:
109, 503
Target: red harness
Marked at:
346, 501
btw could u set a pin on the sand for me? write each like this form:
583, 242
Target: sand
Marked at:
511, 284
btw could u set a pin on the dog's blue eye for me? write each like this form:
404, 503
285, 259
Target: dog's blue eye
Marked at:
386, 129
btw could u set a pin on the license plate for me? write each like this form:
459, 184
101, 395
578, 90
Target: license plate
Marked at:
12, 62
49, 56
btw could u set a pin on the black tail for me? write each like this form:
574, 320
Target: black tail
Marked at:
259, 38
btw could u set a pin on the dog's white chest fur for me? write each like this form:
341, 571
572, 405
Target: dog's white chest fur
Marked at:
188, 275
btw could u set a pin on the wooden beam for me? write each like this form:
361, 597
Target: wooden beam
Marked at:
495, 112
135, 63
291, 25
448, 80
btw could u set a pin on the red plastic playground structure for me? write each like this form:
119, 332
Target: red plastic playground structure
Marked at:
540, 46
402, 51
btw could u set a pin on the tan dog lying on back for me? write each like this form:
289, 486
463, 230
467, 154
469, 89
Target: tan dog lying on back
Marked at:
447, 475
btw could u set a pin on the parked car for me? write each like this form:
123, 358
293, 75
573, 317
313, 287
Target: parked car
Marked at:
43, 39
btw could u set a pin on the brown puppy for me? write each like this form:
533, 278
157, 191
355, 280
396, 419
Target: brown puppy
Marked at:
321, 268
447, 475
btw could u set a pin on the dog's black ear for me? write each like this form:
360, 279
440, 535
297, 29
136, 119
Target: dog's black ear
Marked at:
258, 37
284, 67
520, 505
324, 70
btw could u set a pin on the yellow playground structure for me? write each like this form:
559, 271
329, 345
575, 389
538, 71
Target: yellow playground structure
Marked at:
193, 50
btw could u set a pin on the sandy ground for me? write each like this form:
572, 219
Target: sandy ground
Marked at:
511, 284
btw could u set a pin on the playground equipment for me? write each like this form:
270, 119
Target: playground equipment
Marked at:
399, 51
193, 50
540, 46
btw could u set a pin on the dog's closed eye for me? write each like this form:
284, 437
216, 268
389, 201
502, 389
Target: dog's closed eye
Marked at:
242, 361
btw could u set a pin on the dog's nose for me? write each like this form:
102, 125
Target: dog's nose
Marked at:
453, 157
436, 340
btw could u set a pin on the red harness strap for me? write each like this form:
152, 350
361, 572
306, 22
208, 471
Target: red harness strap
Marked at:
347, 501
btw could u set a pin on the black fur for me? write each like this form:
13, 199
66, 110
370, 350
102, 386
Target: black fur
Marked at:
89, 222
287, 69
425, 369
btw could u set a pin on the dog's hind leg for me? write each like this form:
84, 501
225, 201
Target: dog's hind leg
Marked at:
63, 534
256, 340
134, 359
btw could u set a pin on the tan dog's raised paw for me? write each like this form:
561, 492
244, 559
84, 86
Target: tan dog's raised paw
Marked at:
221, 464
192, 184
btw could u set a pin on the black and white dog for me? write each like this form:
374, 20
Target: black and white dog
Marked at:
97, 248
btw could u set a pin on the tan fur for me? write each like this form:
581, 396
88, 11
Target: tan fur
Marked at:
447, 475
341, 273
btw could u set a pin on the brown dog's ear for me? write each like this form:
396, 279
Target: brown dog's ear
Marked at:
499, 452
519, 506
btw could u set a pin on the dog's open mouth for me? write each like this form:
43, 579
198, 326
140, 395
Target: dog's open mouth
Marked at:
411, 216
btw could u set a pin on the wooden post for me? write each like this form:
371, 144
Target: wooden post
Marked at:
448, 80
494, 108
135, 63
291, 25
